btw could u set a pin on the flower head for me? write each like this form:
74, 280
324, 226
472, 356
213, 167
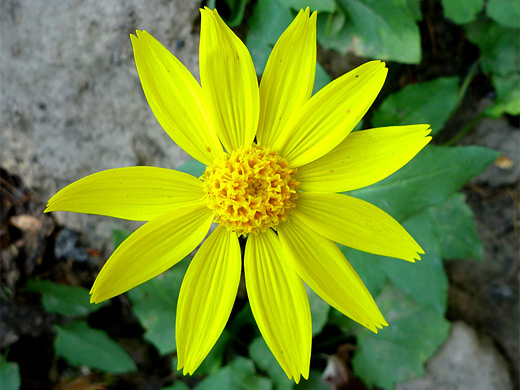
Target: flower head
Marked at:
250, 190
277, 160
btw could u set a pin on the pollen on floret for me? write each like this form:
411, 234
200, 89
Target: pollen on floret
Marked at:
250, 190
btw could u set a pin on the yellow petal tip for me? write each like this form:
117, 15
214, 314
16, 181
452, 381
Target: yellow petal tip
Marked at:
374, 327
94, 296
185, 369
208, 10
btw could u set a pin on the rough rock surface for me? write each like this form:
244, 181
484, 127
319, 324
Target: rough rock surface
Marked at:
72, 103
498, 134
485, 294
466, 361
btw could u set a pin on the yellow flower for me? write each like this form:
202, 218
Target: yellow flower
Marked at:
276, 159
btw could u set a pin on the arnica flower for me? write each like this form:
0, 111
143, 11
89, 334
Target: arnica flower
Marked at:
277, 163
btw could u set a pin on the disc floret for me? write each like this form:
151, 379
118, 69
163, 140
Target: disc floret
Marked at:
250, 190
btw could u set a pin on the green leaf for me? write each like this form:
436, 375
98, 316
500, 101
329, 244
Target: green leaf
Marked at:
430, 178
243, 318
332, 31
368, 268
237, 8
424, 280
347, 325
81, 345
499, 47
178, 385
462, 11
9, 375
375, 29
268, 21
265, 361
313, 383
415, 9
334, 22
507, 89
454, 226
359, 126
192, 167
240, 375
214, 360
62, 299
119, 235
444, 229
155, 304
319, 311
264, 33
398, 352
314, 5
430, 103
504, 12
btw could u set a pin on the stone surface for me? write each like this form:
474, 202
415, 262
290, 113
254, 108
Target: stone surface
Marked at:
485, 294
499, 135
72, 103
466, 361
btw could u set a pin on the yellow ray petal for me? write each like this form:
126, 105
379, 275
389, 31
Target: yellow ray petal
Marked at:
279, 303
364, 158
356, 224
228, 78
152, 249
134, 193
320, 263
175, 98
330, 115
206, 298
288, 78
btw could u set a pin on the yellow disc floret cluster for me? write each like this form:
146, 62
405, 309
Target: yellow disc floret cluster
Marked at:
250, 190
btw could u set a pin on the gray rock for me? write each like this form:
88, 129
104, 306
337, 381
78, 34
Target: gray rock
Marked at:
466, 361
72, 103
499, 135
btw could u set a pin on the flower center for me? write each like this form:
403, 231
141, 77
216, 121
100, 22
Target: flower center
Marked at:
250, 190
